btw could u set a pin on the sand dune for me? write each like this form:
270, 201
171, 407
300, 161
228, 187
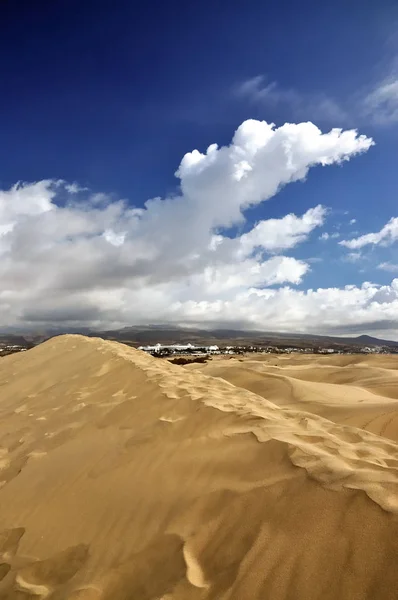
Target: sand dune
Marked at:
125, 477
362, 392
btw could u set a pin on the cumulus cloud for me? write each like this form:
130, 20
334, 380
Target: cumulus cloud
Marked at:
70, 256
386, 236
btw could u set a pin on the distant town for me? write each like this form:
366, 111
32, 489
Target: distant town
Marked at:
160, 350
6, 349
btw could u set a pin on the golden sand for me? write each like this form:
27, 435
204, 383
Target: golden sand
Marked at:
124, 477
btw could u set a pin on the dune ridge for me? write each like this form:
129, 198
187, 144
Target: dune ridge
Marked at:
124, 477
341, 394
332, 454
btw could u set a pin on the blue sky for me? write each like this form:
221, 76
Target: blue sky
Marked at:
111, 97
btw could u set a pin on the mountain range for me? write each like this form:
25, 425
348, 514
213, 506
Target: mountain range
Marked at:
152, 334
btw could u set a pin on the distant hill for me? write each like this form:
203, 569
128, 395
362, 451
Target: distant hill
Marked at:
372, 341
169, 335
17, 340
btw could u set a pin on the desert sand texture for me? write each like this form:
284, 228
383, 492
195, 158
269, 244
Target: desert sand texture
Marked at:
124, 477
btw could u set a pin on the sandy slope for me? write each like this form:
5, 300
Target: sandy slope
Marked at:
357, 390
126, 477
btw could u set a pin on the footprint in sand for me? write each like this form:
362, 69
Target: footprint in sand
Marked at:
347, 435
53, 439
37, 454
171, 419
152, 573
4, 569
79, 406
9, 542
43, 577
194, 572
4, 459
105, 368
13, 439
13, 469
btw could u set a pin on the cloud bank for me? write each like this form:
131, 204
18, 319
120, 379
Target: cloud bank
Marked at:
71, 257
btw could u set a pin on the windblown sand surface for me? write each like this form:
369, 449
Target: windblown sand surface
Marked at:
125, 477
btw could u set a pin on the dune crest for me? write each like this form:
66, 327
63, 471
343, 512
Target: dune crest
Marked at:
124, 476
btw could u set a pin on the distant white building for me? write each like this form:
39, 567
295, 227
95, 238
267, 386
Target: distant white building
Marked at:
212, 348
154, 348
180, 347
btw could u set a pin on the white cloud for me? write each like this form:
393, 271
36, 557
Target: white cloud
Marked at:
381, 103
22, 201
353, 257
216, 280
74, 188
353, 221
386, 236
388, 266
93, 260
376, 103
280, 234
351, 309
116, 239
301, 105
329, 236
